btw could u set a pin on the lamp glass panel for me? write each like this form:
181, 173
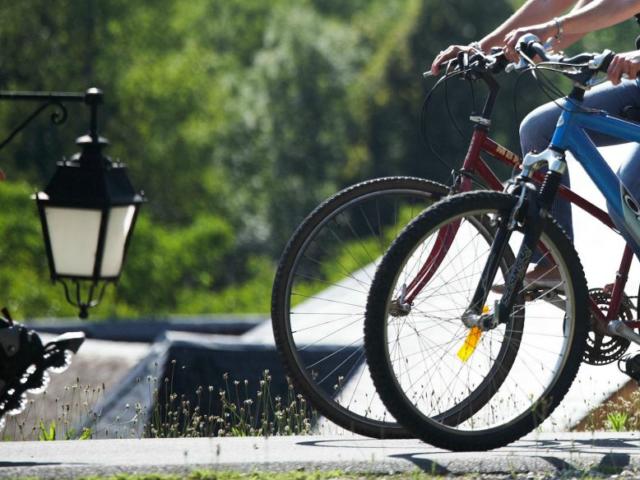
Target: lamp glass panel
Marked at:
118, 228
73, 234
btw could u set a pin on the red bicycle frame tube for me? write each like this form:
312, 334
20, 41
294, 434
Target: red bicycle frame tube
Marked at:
474, 163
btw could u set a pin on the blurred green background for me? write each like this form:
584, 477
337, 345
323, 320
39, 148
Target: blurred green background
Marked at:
236, 117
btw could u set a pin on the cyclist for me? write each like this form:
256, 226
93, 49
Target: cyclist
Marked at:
24, 361
545, 19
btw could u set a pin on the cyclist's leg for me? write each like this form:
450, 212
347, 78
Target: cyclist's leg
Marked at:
629, 174
538, 126
536, 131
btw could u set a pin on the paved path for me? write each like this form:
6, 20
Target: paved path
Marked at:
607, 452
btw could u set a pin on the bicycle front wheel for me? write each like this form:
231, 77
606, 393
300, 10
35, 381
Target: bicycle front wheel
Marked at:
460, 387
320, 291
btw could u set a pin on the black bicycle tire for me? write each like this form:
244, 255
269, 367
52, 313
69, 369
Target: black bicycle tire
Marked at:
375, 337
280, 303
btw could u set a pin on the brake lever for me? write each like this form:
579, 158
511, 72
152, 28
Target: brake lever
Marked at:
516, 67
443, 66
596, 62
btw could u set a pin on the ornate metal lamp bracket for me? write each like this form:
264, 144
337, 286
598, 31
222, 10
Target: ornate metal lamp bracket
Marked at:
55, 100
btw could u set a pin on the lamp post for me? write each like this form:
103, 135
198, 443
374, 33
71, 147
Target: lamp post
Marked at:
87, 211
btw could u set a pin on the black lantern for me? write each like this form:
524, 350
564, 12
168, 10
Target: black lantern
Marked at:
88, 212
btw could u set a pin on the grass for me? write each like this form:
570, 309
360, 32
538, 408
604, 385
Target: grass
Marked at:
232, 408
230, 475
215, 475
620, 412
239, 412
46, 418
235, 408
342, 475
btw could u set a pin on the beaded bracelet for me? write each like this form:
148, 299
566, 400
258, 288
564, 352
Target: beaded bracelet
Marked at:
558, 23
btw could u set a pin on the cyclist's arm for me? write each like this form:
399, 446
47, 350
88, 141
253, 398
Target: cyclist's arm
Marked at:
599, 14
570, 39
531, 12
594, 15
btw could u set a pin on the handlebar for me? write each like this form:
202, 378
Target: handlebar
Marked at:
581, 68
493, 62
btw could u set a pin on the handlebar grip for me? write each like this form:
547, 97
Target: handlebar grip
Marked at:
540, 51
534, 48
604, 66
443, 66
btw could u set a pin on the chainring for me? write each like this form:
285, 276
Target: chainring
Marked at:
603, 348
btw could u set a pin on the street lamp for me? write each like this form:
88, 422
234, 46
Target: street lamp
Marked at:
87, 211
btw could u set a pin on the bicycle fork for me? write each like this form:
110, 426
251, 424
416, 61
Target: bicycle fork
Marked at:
529, 213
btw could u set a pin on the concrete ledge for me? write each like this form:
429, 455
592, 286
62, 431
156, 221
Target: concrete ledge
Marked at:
608, 453
147, 330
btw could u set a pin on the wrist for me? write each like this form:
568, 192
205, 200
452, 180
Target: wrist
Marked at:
487, 43
553, 30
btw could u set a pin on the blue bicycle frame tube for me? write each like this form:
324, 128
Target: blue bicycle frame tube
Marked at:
571, 135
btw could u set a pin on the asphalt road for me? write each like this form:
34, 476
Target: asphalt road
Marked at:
609, 453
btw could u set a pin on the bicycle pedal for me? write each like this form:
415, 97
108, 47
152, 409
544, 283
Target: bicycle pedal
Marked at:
551, 297
630, 365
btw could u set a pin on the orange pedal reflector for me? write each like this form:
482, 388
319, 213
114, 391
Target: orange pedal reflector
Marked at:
470, 343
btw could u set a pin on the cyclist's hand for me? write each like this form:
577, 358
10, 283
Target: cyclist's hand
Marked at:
450, 53
542, 31
627, 64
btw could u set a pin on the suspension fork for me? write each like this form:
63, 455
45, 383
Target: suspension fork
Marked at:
532, 209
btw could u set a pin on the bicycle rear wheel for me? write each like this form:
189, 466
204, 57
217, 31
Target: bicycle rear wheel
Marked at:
319, 297
427, 363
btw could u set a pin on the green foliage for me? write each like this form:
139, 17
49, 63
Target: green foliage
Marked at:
24, 287
50, 434
302, 474
618, 421
47, 434
293, 125
236, 117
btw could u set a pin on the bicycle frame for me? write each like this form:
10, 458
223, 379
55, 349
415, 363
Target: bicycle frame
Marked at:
570, 135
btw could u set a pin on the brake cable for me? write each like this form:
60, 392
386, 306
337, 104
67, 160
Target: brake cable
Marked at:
423, 117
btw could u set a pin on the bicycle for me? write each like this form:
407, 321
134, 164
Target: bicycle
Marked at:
342, 239
505, 351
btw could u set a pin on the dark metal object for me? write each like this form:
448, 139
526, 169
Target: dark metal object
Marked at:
603, 348
631, 366
48, 99
25, 362
88, 189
